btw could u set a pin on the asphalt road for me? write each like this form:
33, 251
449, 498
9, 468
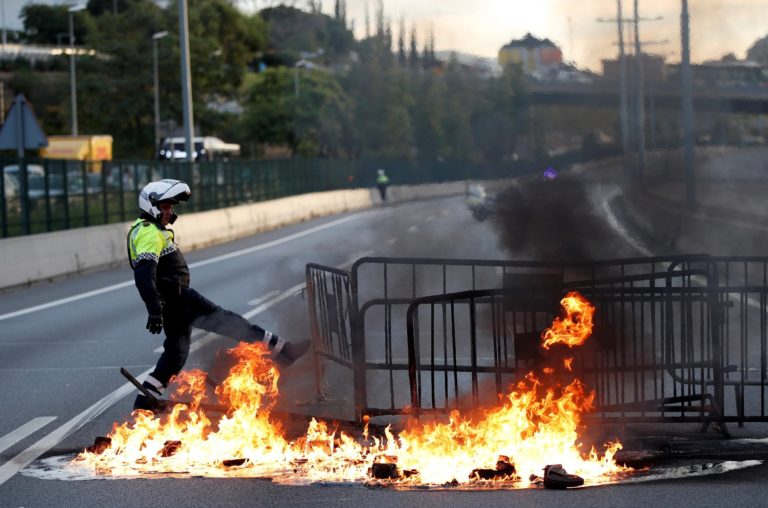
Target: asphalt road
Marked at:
63, 342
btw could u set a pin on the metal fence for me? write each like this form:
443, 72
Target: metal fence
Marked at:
39, 195
677, 339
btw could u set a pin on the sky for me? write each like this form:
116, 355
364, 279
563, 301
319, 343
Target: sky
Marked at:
481, 27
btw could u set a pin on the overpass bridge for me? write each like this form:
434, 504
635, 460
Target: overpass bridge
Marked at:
749, 99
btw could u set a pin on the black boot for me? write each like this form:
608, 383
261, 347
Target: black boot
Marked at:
143, 402
291, 352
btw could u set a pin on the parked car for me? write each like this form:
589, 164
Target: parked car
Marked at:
35, 180
75, 183
10, 186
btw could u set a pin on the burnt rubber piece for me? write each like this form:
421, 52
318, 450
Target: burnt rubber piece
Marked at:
555, 477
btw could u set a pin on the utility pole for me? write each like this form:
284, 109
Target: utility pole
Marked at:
624, 109
687, 97
640, 113
623, 116
72, 80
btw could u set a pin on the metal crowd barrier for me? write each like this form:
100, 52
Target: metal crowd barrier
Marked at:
678, 339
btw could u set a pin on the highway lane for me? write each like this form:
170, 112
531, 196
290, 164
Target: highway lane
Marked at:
56, 363
58, 360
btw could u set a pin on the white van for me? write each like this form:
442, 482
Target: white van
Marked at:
206, 148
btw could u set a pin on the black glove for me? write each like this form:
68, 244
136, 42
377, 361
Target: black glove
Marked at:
155, 323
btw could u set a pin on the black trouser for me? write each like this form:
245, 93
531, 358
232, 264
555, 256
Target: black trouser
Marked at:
382, 191
186, 308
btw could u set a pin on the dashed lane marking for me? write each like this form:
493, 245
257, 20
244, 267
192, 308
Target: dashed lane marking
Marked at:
269, 295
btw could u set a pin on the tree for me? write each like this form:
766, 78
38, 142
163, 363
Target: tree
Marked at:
413, 53
49, 94
118, 83
304, 109
758, 52
294, 31
402, 58
115, 89
49, 24
499, 118
430, 119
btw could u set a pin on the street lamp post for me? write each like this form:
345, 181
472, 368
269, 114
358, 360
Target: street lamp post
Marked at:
186, 81
156, 37
73, 87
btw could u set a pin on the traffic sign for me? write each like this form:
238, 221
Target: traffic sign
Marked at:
21, 129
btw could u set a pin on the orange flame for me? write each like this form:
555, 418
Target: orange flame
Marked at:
568, 362
537, 424
575, 327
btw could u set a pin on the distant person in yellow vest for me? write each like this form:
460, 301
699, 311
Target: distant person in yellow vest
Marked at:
382, 180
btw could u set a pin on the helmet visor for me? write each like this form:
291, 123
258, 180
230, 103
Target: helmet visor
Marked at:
176, 193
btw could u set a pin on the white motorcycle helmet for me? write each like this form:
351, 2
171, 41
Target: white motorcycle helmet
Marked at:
154, 193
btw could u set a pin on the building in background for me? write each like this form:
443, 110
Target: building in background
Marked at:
654, 68
725, 74
537, 57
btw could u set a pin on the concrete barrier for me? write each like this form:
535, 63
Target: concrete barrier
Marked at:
33, 258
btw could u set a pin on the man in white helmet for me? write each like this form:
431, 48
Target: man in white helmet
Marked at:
162, 278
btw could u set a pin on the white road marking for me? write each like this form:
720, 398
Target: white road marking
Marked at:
23, 459
58, 369
216, 259
613, 221
619, 228
19, 462
269, 295
10, 468
208, 337
25, 430
195, 335
63, 301
26, 457
55, 342
354, 257
279, 241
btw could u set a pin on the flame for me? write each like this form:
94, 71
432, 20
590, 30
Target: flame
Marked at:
576, 327
538, 423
